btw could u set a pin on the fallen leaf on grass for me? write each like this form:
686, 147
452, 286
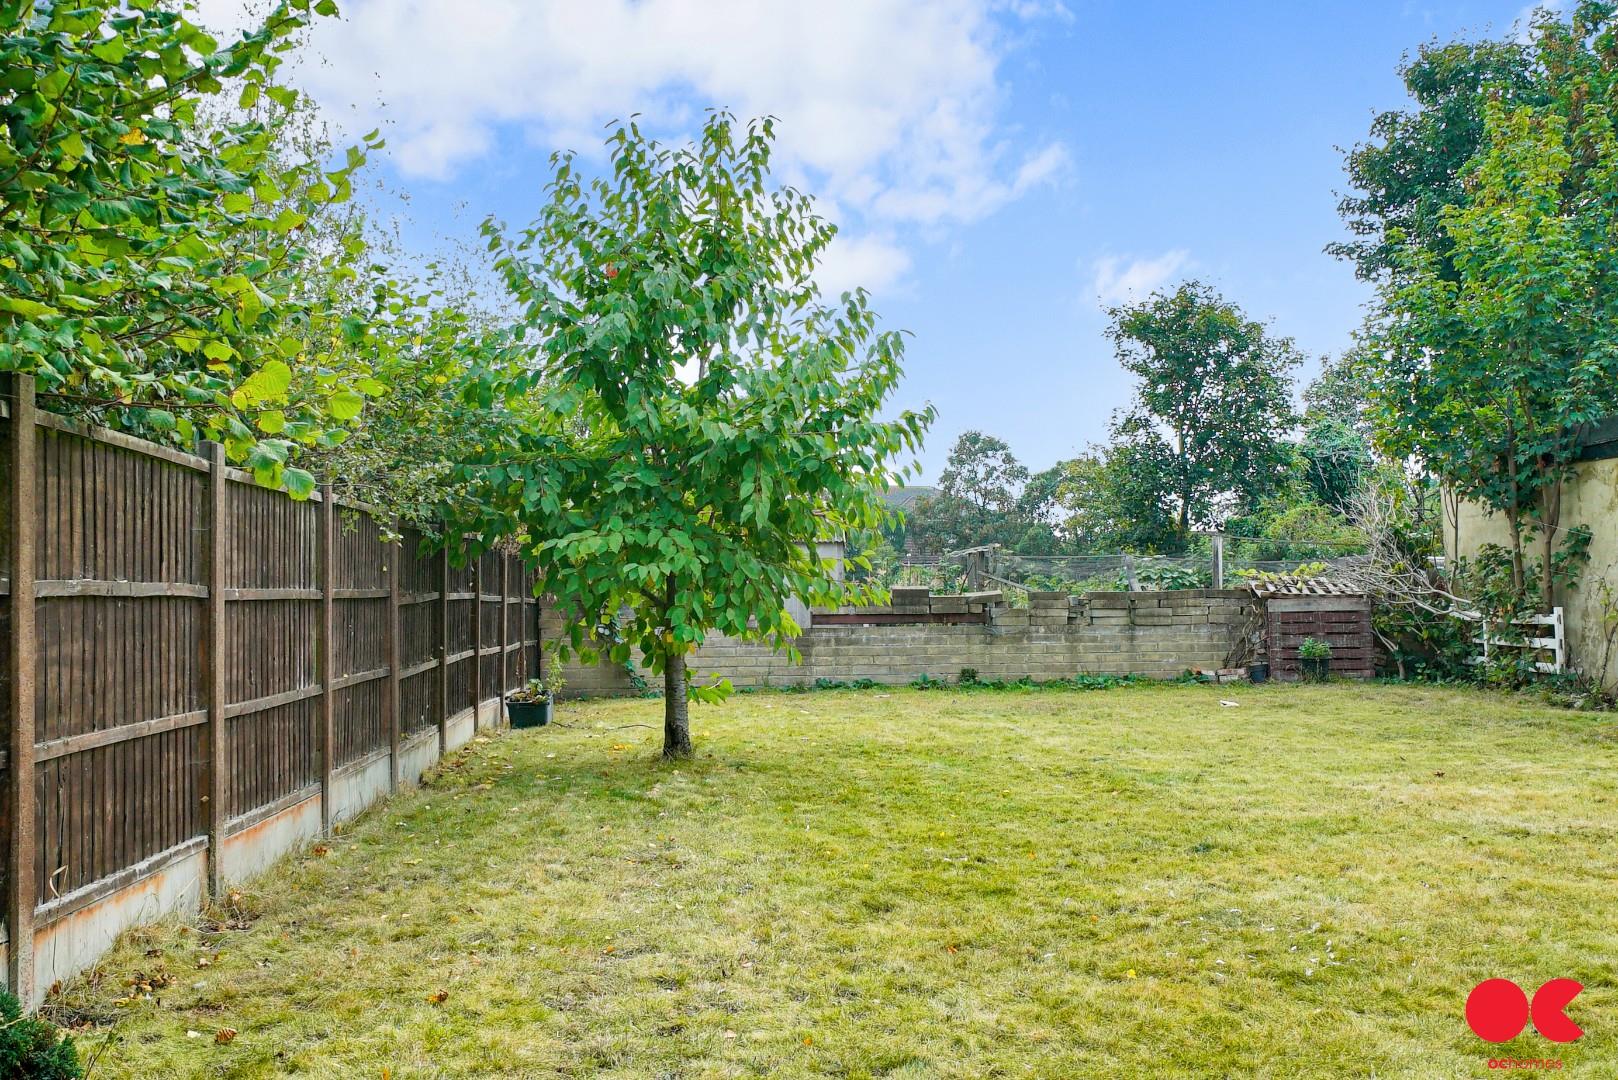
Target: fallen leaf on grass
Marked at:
618, 746
1130, 974
1230, 704
224, 1035
438, 997
320, 849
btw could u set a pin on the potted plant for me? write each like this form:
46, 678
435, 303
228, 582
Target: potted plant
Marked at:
534, 704
1259, 671
1314, 657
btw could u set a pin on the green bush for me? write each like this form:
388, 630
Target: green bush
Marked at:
31, 1048
1314, 649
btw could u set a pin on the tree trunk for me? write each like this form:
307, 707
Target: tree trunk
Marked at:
1518, 579
1552, 517
1519, 584
676, 709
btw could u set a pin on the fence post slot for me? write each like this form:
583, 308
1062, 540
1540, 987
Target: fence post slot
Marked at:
477, 641
395, 567
443, 649
326, 664
20, 891
217, 793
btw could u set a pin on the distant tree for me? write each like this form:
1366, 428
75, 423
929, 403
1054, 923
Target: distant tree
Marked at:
1334, 454
986, 496
1037, 510
983, 473
977, 495
689, 416
1109, 500
1212, 406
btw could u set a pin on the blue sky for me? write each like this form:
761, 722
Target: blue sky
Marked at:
998, 166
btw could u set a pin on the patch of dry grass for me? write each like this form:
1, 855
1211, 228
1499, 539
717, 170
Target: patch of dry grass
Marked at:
1129, 882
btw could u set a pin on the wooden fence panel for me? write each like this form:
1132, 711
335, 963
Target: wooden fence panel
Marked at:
420, 696
200, 652
120, 609
460, 636
272, 616
361, 628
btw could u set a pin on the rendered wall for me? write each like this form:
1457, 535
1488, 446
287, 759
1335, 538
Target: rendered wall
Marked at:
1590, 498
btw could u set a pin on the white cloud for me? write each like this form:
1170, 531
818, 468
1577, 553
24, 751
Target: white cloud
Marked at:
875, 262
1118, 281
891, 110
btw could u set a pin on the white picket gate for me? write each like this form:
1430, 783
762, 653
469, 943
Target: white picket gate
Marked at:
1555, 642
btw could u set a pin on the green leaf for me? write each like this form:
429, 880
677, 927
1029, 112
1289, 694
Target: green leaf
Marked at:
345, 405
298, 483
268, 383
28, 309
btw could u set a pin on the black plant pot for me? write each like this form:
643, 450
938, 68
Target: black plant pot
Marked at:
1259, 672
1315, 670
527, 714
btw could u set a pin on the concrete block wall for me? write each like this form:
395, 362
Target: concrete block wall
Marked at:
1154, 634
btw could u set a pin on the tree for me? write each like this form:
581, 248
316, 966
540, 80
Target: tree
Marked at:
1212, 405
691, 416
977, 494
1334, 455
1410, 170
1486, 377
986, 496
150, 256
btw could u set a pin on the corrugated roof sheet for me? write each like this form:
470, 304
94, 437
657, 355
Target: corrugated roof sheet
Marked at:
1288, 585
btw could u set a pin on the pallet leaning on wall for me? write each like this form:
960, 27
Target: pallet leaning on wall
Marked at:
200, 675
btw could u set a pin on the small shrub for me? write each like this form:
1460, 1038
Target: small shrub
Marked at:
925, 681
33, 1049
969, 676
1314, 649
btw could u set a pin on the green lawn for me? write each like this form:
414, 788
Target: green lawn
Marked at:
1132, 882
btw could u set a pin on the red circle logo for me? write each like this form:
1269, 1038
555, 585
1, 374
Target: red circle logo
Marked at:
1497, 1010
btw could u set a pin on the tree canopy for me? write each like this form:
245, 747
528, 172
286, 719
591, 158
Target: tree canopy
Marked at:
1212, 405
1494, 333
687, 416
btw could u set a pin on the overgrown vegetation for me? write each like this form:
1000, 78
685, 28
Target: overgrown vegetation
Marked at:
32, 1048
